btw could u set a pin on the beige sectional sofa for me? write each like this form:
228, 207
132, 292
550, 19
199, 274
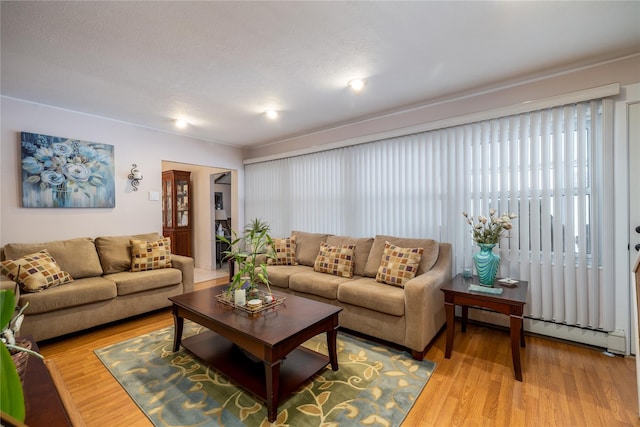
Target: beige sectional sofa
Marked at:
410, 315
103, 289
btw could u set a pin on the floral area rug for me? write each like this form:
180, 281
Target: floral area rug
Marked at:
374, 385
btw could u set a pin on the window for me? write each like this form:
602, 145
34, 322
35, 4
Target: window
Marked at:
551, 167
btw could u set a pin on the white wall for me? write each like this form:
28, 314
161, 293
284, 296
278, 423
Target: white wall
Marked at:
133, 213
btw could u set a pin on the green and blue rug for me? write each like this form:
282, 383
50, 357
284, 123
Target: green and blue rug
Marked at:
374, 385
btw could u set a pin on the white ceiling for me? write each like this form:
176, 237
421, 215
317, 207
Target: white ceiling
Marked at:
219, 65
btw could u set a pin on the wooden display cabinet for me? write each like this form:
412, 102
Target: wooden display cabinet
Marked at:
177, 218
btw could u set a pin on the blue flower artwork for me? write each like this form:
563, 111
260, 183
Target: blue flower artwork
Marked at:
66, 173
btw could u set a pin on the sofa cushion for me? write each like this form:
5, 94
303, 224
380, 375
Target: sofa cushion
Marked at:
367, 293
130, 283
398, 264
308, 246
78, 257
79, 292
150, 255
336, 260
314, 283
362, 249
279, 274
115, 251
429, 256
35, 272
285, 252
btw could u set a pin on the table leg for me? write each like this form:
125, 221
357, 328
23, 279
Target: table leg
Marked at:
522, 335
465, 317
177, 330
449, 308
331, 344
516, 334
272, 376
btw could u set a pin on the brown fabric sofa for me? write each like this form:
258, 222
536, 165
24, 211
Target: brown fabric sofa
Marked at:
103, 289
410, 316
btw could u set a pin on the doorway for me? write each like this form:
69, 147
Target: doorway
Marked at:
203, 211
221, 215
633, 124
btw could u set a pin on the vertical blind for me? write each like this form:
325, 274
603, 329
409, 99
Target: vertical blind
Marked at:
552, 168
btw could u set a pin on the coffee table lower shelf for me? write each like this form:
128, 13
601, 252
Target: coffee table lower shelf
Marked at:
227, 358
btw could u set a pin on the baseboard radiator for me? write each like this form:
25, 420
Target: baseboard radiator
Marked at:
614, 341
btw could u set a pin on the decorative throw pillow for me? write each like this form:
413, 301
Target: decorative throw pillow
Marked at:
38, 271
336, 260
398, 264
285, 251
150, 255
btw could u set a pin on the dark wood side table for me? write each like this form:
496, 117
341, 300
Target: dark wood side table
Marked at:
510, 302
43, 403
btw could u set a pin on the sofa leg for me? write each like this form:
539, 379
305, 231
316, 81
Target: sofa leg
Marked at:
418, 355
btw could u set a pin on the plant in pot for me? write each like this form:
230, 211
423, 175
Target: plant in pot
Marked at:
250, 252
11, 394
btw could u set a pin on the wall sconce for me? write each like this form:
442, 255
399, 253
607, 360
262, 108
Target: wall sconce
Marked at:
135, 177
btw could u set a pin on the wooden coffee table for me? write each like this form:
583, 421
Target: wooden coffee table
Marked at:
251, 349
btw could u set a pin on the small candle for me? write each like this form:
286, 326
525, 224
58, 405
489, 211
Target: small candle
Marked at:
240, 297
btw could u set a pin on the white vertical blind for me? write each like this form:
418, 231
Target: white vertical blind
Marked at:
552, 167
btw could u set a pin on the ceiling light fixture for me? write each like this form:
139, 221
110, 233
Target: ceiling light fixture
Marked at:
357, 84
180, 123
271, 114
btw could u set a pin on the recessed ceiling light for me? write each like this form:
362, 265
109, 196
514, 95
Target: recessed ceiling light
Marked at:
271, 114
180, 123
357, 84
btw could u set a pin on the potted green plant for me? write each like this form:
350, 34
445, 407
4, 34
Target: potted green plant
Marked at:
250, 252
11, 393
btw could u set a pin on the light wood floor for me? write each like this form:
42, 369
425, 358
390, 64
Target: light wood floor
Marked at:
564, 384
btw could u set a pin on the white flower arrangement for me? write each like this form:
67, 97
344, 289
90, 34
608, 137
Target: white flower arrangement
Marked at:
490, 230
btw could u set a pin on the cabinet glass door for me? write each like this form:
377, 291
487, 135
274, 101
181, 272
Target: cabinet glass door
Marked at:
168, 204
182, 198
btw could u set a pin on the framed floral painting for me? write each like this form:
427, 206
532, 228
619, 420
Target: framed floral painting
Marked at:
66, 173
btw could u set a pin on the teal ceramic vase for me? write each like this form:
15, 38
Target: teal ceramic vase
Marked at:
487, 264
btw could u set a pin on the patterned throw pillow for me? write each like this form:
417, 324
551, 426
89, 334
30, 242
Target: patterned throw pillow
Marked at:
398, 264
285, 251
150, 255
38, 271
336, 260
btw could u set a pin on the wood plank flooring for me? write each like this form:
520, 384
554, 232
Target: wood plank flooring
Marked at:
564, 384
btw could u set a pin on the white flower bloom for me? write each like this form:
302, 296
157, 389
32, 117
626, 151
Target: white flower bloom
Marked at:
8, 337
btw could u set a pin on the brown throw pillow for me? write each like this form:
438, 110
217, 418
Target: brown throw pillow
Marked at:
38, 272
150, 255
285, 252
336, 260
398, 265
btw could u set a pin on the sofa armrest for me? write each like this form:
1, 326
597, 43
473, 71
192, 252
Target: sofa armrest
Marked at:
424, 302
186, 265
